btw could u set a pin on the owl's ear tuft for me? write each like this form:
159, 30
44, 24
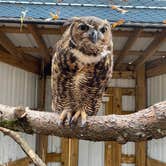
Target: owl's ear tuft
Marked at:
70, 21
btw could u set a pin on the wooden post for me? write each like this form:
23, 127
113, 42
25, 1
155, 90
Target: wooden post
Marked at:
140, 148
42, 140
69, 152
113, 149
65, 151
73, 152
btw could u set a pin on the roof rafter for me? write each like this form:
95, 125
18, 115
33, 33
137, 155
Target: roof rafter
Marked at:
17, 57
40, 42
156, 67
130, 42
151, 49
54, 31
116, 52
27, 63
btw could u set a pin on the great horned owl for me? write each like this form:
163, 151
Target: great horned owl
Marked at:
81, 67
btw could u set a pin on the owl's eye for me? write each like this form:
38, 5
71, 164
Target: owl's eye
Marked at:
84, 27
103, 29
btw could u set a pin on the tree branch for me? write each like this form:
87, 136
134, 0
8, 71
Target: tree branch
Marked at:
25, 147
143, 125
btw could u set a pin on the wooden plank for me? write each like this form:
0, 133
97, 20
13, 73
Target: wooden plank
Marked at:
42, 140
117, 109
20, 162
151, 49
128, 91
156, 67
155, 71
26, 63
23, 59
65, 151
153, 162
128, 159
140, 148
108, 145
125, 92
40, 42
128, 45
139, 53
124, 74
113, 149
73, 152
116, 52
54, 31
53, 157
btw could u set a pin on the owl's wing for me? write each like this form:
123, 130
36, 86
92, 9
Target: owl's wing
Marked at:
54, 76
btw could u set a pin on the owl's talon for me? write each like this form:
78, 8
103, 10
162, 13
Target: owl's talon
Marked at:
62, 117
83, 118
75, 117
69, 116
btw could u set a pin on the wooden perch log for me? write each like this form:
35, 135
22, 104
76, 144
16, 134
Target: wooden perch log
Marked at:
143, 125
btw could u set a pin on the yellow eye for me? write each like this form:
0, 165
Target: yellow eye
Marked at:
103, 29
83, 27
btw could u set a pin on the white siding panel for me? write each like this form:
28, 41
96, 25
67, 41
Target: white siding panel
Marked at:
122, 83
157, 93
17, 87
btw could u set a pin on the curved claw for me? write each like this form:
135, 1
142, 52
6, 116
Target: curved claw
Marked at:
62, 117
83, 117
75, 117
69, 116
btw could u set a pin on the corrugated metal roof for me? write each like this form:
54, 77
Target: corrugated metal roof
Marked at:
152, 11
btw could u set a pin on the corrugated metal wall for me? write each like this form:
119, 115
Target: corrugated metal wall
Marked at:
17, 87
157, 92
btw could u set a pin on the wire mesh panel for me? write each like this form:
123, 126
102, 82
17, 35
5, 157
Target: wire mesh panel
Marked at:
132, 11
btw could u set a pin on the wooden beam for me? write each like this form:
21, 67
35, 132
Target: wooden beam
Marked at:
124, 74
73, 152
29, 49
40, 42
18, 58
140, 147
128, 91
128, 159
151, 49
42, 140
65, 151
108, 145
113, 149
21, 162
128, 45
27, 63
53, 157
156, 67
153, 162
116, 52
59, 31
140, 53
9, 46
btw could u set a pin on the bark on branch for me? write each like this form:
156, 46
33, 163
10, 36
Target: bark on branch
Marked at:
143, 125
24, 145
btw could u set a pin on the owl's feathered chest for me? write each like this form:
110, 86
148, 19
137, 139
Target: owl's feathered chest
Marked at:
72, 62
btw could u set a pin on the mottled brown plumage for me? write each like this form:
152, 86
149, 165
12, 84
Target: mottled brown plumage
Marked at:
81, 67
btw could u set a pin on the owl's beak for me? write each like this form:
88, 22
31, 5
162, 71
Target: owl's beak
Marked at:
93, 36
